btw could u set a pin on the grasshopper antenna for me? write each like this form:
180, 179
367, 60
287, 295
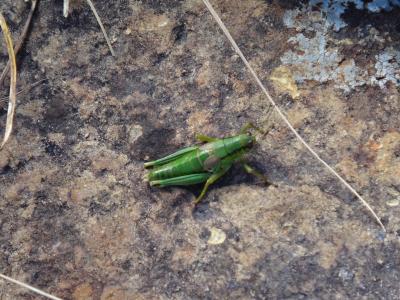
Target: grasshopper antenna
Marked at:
282, 115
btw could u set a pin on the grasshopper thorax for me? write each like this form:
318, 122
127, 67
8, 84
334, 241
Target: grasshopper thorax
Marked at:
212, 153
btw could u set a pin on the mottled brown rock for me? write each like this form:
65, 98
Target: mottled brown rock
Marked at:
78, 220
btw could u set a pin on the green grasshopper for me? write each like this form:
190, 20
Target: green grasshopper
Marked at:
203, 163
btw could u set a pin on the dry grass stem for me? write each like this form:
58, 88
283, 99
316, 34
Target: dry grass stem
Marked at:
101, 26
24, 90
66, 8
29, 287
20, 42
66, 13
13, 80
282, 115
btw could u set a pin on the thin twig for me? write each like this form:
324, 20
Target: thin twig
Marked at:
20, 42
253, 73
29, 287
13, 80
24, 90
101, 26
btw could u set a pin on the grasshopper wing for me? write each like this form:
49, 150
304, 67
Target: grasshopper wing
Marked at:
171, 157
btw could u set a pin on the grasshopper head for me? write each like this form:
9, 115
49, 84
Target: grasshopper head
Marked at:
246, 139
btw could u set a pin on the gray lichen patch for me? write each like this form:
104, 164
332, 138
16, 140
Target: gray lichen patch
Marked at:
317, 55
387, 68
334, 9
378, 5
314, 60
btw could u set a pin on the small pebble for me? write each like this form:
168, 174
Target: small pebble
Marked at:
217, 236
393, 202
135, 132
381, 235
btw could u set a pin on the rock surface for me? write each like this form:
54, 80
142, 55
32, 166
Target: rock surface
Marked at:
76, 217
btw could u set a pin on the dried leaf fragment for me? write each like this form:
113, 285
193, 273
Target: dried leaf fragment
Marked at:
283, 81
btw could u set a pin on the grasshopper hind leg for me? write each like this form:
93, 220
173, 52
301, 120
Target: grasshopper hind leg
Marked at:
224, 166
181, 180
213, 178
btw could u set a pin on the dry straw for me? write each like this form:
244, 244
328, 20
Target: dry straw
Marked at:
20, 41
13, 80
29, 287
283, 117
96, 15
